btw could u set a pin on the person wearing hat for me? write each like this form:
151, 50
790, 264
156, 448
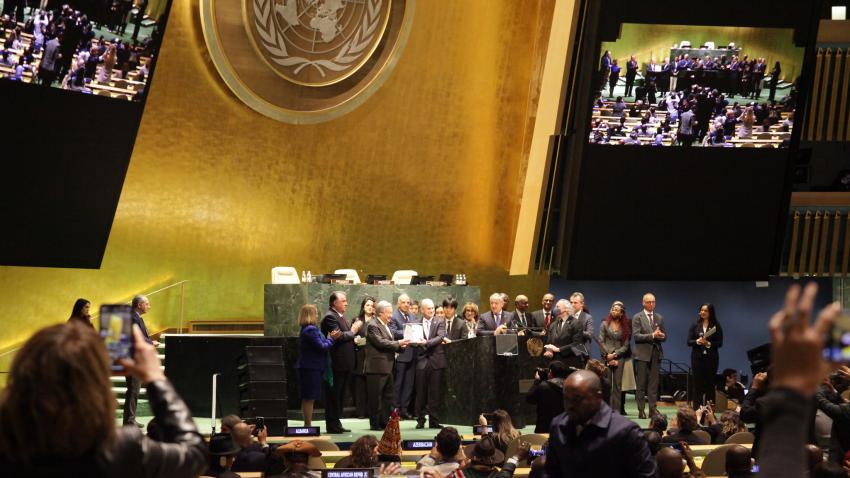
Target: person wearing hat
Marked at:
222, 454
484, 458
292, 460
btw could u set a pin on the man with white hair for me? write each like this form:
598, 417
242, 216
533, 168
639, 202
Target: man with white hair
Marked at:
381, 348
565, 337
405, 365
497, 320
429, 367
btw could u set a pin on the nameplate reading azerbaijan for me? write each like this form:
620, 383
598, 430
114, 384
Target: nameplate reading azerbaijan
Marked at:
417, 444
348, 473
302, 431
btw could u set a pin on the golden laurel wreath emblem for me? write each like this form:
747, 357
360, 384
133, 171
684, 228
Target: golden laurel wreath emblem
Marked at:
274, 42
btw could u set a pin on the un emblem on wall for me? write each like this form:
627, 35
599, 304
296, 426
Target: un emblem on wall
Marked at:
305, 61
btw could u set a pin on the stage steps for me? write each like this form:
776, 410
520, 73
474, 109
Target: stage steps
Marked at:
119, 388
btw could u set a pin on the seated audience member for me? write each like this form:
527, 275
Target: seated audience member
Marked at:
686, 422
585, 438
601, 371
739, 462
730, 424
290, 460
228, 422
751, 407
48, 428
363, 454
252, 455
619, 107
733, 389
503, 429
548, 394
658, 422
511, 464
484, 458
671, 464
831, 403
707, 422
222, 455
653, 439
446, 451
814, 455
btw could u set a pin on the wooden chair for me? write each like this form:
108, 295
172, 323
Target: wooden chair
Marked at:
714, 463
704, 436
741, 438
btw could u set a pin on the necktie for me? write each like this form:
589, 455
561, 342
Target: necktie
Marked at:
342, 322
651, 322
498, 319
449, 325
427, 328
548, 319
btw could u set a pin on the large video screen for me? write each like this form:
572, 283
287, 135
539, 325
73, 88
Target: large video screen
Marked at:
696, 86
105, 48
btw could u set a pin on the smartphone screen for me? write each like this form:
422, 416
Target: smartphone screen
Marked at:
837, 346
117, 332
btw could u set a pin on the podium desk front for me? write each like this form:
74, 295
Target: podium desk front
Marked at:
478, 380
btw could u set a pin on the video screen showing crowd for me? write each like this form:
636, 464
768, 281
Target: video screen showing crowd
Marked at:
694, 96
100, 47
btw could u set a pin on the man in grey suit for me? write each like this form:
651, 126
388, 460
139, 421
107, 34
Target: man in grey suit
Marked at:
648, 331
545, 315
687, 123
497, 320
48, 68
405, 365
380, 355
455, 327
429, 367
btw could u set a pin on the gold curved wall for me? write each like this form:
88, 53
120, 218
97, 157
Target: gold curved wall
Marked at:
426, 175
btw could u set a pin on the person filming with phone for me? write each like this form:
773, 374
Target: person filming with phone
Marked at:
57, 412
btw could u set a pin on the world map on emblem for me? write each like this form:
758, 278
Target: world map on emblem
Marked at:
316, 42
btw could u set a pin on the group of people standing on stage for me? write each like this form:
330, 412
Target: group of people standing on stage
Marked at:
389, 371
745, 75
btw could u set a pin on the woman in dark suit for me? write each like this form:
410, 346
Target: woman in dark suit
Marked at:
704, 337
312, 359
614, 335
367, 312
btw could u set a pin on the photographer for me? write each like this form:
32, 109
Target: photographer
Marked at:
57, 413
252, 454
548, 394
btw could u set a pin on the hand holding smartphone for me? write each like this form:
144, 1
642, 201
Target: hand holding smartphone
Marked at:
116, 330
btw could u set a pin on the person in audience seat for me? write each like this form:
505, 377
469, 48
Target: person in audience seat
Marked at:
446, 451
503, 428
57, 412
363, 454
291, 460
222, 456
252, 455
739, 462
686, 423
484, 459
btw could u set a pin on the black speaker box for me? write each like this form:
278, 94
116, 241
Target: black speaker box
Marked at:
263, 407
263, 390
759, 358
266, 355
263, 372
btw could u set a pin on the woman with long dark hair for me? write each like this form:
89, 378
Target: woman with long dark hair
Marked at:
704, 337
367, 313
81, 312
614, 336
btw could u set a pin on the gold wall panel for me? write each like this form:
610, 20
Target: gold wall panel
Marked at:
425, 175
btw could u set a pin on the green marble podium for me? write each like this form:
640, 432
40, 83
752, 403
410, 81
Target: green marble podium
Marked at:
282, 302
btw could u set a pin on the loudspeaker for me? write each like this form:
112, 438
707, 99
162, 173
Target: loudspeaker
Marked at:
673, 383
263, 407
266, 355
263, 390
263, 372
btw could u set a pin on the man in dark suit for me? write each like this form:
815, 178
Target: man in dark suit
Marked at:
545, 315
522, 318
455, 327
380, 356
497, 319
585, 319
141, 306
342, 359
548, 394
631, 72
648, 331
565, 337
429, 367
405, 364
